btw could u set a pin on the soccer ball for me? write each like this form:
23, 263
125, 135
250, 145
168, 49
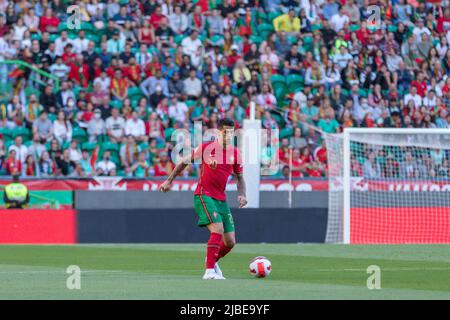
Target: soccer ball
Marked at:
260, 267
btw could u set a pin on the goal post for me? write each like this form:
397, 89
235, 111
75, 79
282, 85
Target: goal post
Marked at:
389, 186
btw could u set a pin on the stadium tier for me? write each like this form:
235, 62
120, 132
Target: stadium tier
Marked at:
120, 76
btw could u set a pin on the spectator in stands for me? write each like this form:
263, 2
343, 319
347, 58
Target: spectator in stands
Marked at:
20, 149
62, 128
64, 166
12, 164
136, 127
192, 86
115, 126
96, 127
106, 167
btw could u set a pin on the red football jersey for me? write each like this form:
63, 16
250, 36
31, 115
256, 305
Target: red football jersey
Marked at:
217, 164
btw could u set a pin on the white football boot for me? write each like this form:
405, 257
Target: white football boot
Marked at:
217, 270
210, 274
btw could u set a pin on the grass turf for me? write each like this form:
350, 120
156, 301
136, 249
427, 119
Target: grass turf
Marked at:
155, 271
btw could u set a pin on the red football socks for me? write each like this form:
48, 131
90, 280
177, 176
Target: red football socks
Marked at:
223, 250
212, 250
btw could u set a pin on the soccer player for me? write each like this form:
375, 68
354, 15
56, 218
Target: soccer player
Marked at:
219, 159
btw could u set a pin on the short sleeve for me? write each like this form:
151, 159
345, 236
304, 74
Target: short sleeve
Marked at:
237, 167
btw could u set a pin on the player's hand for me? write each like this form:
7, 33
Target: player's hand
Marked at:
165, 186
242, 201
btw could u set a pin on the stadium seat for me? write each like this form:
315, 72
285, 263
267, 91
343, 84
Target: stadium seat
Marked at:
116, 104
354, 27
25, 133
134, 93
273, 14
286, 132
89, 146
6, 133
294, 82
111, 147
79, 134
178, 39
256, 39
168, 133
264, 30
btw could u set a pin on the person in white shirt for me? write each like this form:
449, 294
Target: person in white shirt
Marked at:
96, 127
80, 44
115, 126
178, 110
430, 100
419, 29
136, 127
143, 57
106, 167
192, 85
19, 29
74, 152
21, 150
62, 128
61, 43
339, 20
104, 81
412, 95
191, 44
59, 69
178, 21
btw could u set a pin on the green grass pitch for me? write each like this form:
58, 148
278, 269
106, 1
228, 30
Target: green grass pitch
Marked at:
169, 271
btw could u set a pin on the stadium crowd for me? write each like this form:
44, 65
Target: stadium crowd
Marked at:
123, 74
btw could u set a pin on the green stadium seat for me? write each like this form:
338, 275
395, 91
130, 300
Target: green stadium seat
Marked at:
6, 133
134, 93
273, 14
111, 147
79, 134
354, 27
264, 29
168, 133
116, 104
178, 39
25, 133
286, 133
256, 39
294, 82
89, 146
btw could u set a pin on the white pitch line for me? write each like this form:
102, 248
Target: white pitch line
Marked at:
387, 269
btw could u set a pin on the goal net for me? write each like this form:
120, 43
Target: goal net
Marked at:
389, 186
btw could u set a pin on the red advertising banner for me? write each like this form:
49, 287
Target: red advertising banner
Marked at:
118, 183
402, 225
37, 226
302, 185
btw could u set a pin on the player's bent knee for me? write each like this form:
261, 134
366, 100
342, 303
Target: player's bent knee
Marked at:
230, 243
216, 228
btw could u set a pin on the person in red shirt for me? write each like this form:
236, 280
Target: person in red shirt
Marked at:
48, 22
164, 166
12, 164
79, 72
219, 159
68, 56
119, 85
156, 17
420, 84
133, 71
443, 22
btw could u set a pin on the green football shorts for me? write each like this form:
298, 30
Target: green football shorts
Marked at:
210, 210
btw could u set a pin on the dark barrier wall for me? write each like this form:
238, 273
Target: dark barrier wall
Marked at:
179, 226
184, 199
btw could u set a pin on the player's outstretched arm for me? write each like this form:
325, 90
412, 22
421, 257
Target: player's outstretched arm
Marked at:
240, 183
175, 172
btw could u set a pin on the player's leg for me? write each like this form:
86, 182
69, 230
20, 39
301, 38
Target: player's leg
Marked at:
208, 217
229, 236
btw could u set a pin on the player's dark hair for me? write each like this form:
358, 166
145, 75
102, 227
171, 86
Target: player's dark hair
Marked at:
225, 122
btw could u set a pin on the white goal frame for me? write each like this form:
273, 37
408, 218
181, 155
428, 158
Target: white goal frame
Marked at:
346, 153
